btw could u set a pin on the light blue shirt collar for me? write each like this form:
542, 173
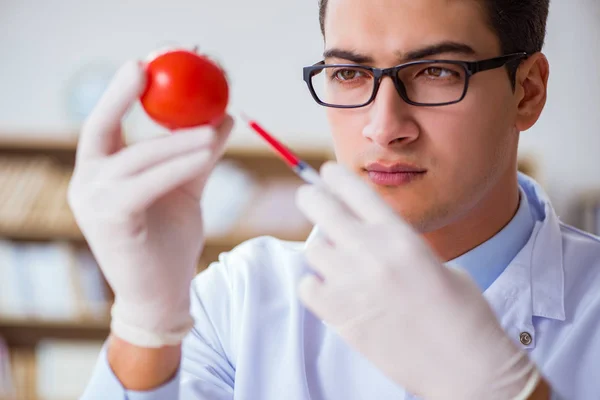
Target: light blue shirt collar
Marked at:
487, 261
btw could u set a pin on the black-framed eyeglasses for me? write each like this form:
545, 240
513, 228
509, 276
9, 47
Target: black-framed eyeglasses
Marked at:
425, 83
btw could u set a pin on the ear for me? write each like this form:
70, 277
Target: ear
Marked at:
531, 90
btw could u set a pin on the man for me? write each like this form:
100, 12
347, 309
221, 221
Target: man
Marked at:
426, 101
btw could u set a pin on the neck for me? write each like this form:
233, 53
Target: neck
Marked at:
480, 224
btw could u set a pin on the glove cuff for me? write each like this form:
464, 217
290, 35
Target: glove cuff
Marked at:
149, 338
517, 379
530, 387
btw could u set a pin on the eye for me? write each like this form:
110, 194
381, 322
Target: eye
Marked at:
347, 74
439, 72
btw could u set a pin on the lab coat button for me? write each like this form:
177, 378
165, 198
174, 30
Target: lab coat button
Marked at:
525, 338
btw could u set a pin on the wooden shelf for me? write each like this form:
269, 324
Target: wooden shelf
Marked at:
41, 234
30, 234
28, 332
38, 142
63, 143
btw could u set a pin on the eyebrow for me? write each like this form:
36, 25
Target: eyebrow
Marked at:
429, 51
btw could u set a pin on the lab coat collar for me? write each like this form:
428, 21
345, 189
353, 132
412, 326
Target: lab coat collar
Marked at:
533, 283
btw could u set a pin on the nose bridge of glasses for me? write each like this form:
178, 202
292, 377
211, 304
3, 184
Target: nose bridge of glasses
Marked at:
392, 73
380, 73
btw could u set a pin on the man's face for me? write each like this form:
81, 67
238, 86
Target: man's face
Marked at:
464, 149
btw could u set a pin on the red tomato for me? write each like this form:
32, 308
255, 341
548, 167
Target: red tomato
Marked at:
185, 90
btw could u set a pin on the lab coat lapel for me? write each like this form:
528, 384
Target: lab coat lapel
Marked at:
532, 284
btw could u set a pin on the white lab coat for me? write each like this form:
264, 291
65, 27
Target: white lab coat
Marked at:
253, 340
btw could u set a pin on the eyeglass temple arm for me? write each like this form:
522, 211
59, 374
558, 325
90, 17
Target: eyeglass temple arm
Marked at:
493, 63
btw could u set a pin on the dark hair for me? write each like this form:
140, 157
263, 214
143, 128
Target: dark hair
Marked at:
519, 24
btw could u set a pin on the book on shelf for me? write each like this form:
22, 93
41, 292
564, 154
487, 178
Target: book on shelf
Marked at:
7, 385
22, 375
34, 196
53, 370
50, 281
598, 220
274, 210
590, 212
64, 368
227, 194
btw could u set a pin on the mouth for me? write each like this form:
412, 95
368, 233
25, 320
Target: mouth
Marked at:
393, 174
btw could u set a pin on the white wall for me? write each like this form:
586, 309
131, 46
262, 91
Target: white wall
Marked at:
43, 43
566, 140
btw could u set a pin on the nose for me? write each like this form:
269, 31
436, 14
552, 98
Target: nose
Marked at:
390, 120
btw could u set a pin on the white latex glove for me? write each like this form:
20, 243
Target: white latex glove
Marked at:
386, 294
139, 209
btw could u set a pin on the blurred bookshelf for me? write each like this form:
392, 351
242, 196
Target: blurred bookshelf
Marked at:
54, 302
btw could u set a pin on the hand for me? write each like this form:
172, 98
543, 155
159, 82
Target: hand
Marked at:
388, 295
139, 209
